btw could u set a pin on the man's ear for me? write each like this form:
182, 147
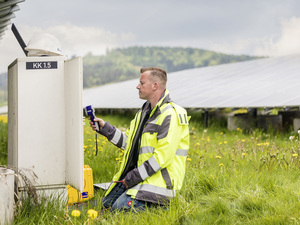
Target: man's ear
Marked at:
155, 86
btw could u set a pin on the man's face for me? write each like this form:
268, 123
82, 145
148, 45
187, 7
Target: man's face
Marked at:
145, 86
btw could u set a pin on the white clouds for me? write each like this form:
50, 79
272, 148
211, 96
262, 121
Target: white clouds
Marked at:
288, 43
236, 46
10, 50
80, 40
74, 40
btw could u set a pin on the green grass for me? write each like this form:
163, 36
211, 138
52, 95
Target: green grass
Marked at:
3, 140
232, 177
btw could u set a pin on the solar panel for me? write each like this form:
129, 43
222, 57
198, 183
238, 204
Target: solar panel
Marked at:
267, 82
6, 13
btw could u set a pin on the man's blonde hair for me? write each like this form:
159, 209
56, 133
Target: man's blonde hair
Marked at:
157, 72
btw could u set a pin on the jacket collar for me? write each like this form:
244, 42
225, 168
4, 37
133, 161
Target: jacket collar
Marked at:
165, 98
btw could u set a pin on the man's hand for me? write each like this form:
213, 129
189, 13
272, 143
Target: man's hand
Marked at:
100, 121
124, 183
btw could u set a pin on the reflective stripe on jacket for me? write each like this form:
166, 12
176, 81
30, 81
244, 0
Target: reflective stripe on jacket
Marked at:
163, 149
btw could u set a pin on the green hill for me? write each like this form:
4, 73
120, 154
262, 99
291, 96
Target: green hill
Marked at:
3, 89
124, 63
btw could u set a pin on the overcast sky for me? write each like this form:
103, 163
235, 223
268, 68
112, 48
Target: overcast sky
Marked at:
252, 27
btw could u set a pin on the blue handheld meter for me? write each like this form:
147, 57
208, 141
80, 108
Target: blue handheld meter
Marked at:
90, 111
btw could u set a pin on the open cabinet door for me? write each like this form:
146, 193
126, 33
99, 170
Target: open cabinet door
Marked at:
74, 123
36, 119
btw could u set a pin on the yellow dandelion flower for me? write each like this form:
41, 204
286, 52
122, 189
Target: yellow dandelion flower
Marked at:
221, 164
89, 140
225, 142
221, 133
295, 155
4, 119
92, 213
220, 143
243, 140
218, 157
243, 154
258, 144
208, 139
197, 143
188, 159
75, 213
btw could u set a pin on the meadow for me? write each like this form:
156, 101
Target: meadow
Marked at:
232, 177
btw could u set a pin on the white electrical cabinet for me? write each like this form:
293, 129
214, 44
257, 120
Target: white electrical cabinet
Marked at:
45, 120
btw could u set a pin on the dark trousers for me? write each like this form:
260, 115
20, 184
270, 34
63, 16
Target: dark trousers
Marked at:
118, 200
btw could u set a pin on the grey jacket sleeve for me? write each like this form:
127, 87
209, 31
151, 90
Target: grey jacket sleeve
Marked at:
114, 135
108, 130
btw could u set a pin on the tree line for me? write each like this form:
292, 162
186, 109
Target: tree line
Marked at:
122, 64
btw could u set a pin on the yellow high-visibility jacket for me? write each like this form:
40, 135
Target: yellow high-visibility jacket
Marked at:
163, 148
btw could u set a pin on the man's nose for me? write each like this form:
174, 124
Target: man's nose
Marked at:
138, 86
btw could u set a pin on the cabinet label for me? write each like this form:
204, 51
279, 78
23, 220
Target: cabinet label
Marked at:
41, 65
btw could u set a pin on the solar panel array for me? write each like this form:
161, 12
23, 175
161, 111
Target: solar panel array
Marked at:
267, 82
7, 9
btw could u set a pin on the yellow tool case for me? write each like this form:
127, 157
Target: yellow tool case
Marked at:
88, 191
